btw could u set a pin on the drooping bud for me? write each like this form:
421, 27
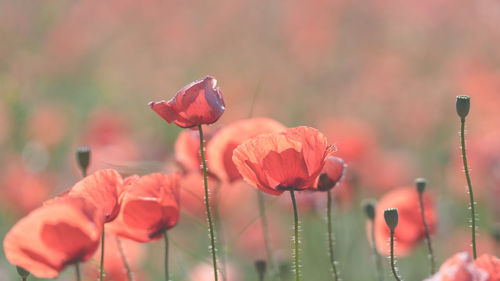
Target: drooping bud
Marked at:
391, 218
332, 173
83, 158
261, 267
463, 106
369, 208
421, 183
22, 272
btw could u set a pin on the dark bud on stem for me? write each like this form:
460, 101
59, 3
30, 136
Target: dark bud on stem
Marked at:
420, 182
463, 106
261, 267
369, 208
495, 233
22, 272
83, 158
391, 218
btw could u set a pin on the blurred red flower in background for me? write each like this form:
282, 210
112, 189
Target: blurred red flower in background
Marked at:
149, 206
280, 161
221, 146
410, 229
460, 267
332, 173
54, 236
21, 190
187, 149
114, 265
198, 103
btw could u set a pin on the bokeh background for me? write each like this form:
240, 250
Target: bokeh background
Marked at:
378, 77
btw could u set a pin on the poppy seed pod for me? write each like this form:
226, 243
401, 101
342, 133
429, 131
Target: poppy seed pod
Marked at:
463, 106
391, 218
83, 158
369, 208
421, 183
261, 267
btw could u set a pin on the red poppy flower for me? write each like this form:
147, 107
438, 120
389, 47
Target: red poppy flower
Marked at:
280, 161
332, 173
460, 267
491, 265
221, 146
410, 229
149, 206
197, 103
54, 236
102, 188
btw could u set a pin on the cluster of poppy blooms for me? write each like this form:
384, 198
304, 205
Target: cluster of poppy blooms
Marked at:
67, 229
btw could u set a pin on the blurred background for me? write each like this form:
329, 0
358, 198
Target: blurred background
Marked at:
379, 78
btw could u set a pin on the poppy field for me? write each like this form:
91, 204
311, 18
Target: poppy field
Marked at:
249, 140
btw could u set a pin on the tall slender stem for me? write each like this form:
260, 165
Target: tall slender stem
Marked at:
378, 260
219, 232
296, 237
124, 259
393, 265
427, 235
101, 274
330, 235
207, 205
265, 230
469, 184
165, 235
77, 272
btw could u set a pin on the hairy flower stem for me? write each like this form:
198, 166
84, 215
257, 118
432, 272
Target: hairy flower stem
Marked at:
469, 184
101, 274
296, 237
330, 235
267, 240
124, 259
378, 260
77, 272
427, 235
207, 205
219, 230
165, 236
393, 266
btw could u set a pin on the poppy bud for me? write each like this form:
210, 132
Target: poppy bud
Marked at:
83, 158
391, 218
463, 106
420, 182
261, 267
369, 208
22, 272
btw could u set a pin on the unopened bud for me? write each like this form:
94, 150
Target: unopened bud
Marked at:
463, 106
261, 267
22, 272
420, 182
369, 208
83, 158
391, 218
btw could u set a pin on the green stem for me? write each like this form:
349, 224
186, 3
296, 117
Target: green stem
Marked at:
124, 259
427, 235
101, 274
77, 272
265, 230
296, 237
219, 230
165, 235
393, 266
378, 260
330, 235
207, 205
469, 184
